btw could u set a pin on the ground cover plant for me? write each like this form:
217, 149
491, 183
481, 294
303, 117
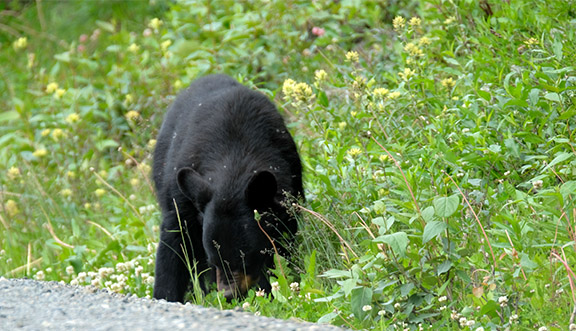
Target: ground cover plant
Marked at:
437, 139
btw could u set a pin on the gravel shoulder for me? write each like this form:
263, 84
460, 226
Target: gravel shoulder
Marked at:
32, 305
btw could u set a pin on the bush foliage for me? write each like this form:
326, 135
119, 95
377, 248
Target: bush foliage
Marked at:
438, 141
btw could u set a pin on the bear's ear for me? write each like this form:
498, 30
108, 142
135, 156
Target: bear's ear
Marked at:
194, 187
261, 189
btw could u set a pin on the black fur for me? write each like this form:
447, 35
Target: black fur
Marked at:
223, 151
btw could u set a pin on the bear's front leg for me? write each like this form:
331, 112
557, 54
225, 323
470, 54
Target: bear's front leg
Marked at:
172, 276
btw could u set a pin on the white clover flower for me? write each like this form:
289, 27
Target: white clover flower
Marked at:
260, 293
275, 286
39, 275
367, 308
503, 301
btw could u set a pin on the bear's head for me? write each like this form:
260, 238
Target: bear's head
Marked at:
235, 244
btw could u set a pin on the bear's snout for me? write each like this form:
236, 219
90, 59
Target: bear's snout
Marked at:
234, 285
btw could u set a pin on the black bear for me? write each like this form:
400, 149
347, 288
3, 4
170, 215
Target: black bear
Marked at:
223, 152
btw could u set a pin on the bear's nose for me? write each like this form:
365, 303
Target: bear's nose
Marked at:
235, 284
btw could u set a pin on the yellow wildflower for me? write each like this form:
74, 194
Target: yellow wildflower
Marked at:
134, 181
165, 44
413, 50
133, 48
13, 173
59, 93
424, 41
407, 73
359, 82
73, 118
132, 115
128, 99
383, 158
393, 95
40, 152
352, 56
51, 88
66, 192
71, 174
447, 82
320, 75
531, 41
57, 134
151, 143
288, 88
11, 208
302, 91
20, 43
155, 23
342, 125
354, 151
178, 84
100, 192
380, 92
45, 132
450, 20
399, 22
415, 22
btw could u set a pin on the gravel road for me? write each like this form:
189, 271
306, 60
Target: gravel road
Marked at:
31, 305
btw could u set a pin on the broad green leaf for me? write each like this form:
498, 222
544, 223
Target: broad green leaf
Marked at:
568, 188
326, 319
9, 116
107, 143
432, 229
361, 296
428, 214
63, 57
398, 242
526, 262
444, 267
560, 157
489, 308
348, 285
552, 97
446, 206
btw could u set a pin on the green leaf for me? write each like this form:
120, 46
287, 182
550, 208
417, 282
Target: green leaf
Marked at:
361, 296
526, 262
446, 206
105, 26
552, 97
444, 267
322, 99
560, 157
489, 308
63, 57
107, 143
432, 229
9, 116
568, 188
397, 241
328, 318
428, 214
348, 285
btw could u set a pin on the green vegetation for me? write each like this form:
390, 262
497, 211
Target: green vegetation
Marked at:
438, 140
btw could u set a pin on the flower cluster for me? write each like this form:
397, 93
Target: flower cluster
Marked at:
300, 92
